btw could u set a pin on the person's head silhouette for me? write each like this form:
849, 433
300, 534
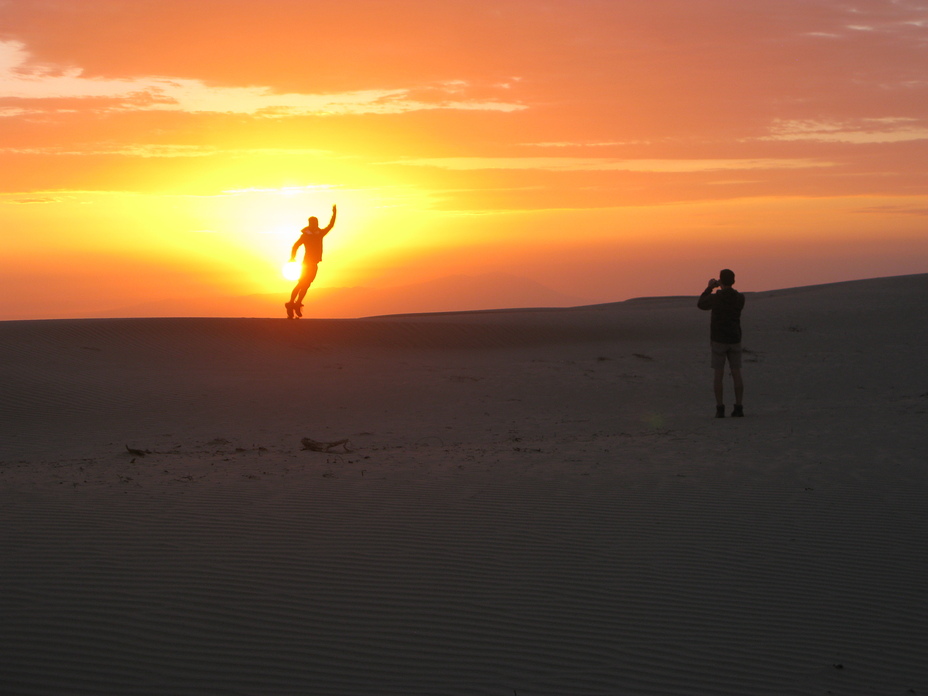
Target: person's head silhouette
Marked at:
314, 222
726, 277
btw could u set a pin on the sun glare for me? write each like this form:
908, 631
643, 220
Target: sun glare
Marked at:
263, 224
291, 270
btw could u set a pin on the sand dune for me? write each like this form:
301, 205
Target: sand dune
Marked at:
534, 502
459, 292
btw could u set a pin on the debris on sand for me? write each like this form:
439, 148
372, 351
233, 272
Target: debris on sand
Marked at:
310, 444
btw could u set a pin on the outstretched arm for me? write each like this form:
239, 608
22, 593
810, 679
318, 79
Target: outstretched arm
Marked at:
331, 224
295, 247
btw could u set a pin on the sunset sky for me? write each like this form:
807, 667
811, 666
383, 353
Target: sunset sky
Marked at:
606, 149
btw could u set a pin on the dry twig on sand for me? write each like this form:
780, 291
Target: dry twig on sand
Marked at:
310, 444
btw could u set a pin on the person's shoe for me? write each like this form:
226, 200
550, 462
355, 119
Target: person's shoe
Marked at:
737, 411
298, 310
720, 411
289, 306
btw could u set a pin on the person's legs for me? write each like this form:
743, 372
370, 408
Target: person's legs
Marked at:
299, 290
734, 362
739, 391
738, 382
290, 305
730, 354
293, 305
719, 355
309, 275
718, 386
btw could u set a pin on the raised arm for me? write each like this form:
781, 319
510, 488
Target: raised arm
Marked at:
325, 230
706, 300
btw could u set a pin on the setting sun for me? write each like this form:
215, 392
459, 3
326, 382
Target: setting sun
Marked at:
291, 270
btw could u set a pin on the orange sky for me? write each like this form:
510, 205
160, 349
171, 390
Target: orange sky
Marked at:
606, 149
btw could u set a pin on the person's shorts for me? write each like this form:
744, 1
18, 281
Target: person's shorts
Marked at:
726, 351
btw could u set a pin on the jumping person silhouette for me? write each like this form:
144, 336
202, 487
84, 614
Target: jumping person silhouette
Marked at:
311, 241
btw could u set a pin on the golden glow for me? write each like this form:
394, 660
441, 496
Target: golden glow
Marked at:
542, 156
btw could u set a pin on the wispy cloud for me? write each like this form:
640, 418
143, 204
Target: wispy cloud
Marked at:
570, 144
161, 151
894, 210
282, 190
161, 93
576, 164
861, 131
32, 200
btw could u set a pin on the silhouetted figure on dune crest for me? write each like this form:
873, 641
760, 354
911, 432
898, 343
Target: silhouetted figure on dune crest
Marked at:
311, 241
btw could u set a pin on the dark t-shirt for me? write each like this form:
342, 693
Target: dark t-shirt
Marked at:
726, 306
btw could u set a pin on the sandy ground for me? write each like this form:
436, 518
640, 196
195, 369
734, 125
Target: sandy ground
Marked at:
532, 502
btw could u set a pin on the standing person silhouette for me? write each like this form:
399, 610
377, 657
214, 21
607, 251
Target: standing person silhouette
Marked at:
311, 241
725, 337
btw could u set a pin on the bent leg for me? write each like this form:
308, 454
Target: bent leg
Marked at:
309, 275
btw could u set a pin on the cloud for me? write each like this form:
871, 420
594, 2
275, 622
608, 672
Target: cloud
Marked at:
576, 164
161, 151
282, 190
161, 93
570, 144
861, 131
894, 210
